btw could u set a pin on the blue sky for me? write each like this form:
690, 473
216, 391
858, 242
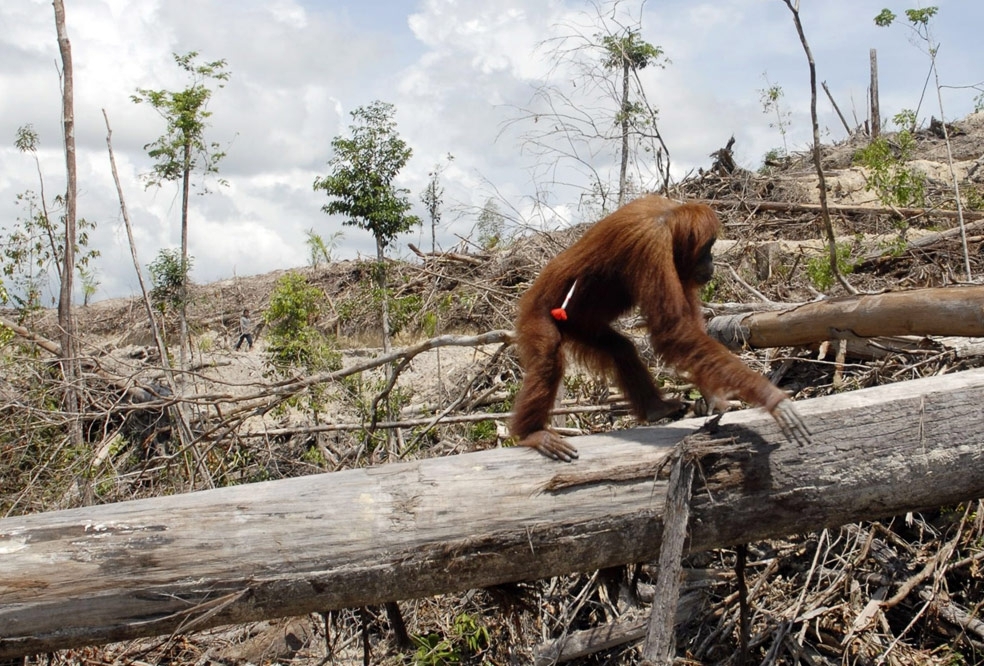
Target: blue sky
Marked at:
455, 70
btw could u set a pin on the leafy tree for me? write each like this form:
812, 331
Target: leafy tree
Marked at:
361, 184
628, 53
182, 149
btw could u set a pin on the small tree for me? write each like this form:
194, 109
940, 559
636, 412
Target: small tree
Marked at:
919, 23
319, 250
628, 53
294, 342
433, 199
490, 226
182, 149
771, 99
29, 251
90, 284
169, 275
601, 110
361, 187
887, 172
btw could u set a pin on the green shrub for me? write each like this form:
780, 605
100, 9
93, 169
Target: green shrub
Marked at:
294, 342
818, 268
468, 639
893, 182
483, 431
168, 276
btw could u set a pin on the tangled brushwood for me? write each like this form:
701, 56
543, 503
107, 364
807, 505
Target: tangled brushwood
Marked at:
318, 395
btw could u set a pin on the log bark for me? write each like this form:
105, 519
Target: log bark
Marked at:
358, 537
954, 311
799, 207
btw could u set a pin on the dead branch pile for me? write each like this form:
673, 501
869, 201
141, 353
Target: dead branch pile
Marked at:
905, 591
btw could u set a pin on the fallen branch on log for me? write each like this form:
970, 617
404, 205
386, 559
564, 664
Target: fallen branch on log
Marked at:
366, 536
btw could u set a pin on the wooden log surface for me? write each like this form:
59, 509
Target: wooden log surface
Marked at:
169, 564
950, 311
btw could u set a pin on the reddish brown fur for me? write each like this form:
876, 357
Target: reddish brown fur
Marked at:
643, 254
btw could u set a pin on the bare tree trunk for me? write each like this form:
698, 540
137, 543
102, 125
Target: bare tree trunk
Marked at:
183, 316
625, 133
67, 326
875, 111
381, 282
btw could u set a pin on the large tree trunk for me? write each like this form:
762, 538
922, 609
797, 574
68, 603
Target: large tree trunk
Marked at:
405, 530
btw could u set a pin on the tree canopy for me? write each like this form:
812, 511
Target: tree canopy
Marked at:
182, 148
363, 168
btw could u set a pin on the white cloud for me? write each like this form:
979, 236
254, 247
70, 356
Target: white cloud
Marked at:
455, 71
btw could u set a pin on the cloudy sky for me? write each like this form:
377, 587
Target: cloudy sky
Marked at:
457, 71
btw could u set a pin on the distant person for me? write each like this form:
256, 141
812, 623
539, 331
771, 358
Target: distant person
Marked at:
245, 330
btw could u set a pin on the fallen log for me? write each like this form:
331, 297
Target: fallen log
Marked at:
947, 311
797, 207
367, 536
